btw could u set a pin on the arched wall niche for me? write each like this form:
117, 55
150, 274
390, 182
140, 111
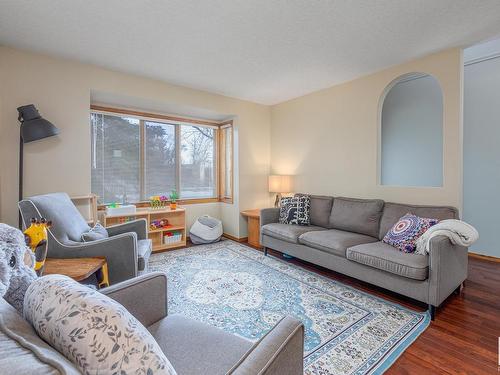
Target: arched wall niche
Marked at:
411, 132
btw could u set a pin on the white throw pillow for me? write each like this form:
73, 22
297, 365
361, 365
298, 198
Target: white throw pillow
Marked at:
93, 331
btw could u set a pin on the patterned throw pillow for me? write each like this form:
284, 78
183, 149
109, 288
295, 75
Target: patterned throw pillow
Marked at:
404, 234
93, 331
295, 210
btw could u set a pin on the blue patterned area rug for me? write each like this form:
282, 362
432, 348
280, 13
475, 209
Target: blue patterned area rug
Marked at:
238, 289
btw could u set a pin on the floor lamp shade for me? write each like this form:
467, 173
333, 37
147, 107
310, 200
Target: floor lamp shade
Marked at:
34, 126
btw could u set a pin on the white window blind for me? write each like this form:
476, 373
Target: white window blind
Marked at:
115, 158
134, 158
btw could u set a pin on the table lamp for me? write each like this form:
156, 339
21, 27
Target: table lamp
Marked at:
280, 184
33, 127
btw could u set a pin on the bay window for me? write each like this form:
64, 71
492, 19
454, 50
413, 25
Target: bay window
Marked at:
136, 155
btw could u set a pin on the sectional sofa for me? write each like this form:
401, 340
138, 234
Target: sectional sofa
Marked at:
345, 236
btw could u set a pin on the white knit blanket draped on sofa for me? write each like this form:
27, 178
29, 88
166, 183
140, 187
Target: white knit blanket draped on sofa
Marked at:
459, 233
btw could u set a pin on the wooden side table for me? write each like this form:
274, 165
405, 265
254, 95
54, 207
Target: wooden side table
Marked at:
253, 217
79, 269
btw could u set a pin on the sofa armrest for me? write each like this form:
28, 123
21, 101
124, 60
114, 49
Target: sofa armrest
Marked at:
447, 268
269, 215
120, 252
145, 297
139, 226
279, 352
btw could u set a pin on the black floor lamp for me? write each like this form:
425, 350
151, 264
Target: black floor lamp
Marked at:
33, 128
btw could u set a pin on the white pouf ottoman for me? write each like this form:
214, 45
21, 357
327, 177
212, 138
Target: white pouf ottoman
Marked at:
206, 229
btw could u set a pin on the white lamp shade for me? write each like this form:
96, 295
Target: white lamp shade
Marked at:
280, 184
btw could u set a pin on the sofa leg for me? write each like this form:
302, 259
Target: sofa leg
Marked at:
459, 289
432, 311
265, 250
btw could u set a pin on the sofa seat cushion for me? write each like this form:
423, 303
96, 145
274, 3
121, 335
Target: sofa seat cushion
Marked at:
387, 258
334, 241
287, 232
144, 248
196, 348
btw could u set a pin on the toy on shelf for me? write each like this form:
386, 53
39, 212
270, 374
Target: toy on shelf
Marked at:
173, 199
159, 224
119, 209
36, 238
172, 238
158, 202
126, 219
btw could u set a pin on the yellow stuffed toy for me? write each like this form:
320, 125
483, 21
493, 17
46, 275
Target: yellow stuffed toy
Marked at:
36, 238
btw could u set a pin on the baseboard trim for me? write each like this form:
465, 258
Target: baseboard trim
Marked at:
237, 239
488, 258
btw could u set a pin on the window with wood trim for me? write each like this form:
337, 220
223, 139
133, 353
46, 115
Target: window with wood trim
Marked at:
136, 155
226, 162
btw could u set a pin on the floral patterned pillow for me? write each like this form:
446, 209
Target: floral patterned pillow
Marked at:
404, 234
90, 329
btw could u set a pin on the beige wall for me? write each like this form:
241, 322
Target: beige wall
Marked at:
61, 91
329, 138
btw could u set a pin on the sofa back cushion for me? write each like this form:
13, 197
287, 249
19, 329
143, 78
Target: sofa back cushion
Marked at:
90, 329
320, 210
357, 215
394, 211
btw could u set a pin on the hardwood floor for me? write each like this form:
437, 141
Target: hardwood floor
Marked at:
463, 338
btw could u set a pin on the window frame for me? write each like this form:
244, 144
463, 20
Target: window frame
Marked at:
221, 142
219, 168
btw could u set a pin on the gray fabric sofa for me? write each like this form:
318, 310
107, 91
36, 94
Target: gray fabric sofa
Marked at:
192, 347
345, 236
127, 249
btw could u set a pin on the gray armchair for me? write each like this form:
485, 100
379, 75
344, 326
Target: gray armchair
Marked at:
195, 348
127, 249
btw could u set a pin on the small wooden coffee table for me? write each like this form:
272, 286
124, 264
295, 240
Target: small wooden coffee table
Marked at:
79, 269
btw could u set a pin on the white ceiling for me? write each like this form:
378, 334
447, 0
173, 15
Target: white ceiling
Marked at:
266, 51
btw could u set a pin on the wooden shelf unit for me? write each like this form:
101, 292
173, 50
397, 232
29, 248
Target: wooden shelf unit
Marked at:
176, 220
